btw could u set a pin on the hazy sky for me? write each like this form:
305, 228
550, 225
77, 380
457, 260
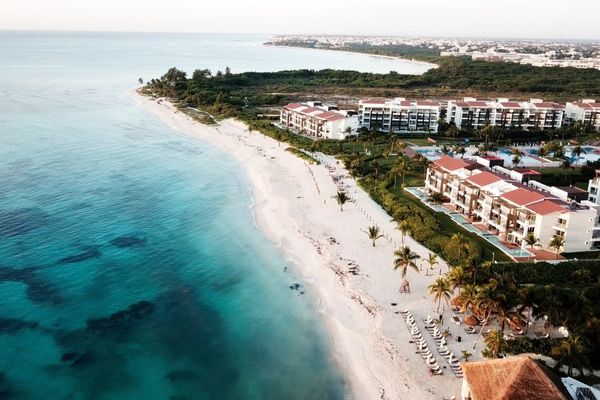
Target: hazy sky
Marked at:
480, 18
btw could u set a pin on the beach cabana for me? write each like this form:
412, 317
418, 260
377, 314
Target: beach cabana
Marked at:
514, 378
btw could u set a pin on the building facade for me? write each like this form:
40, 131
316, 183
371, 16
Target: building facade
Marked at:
494, 201
586, 111
400, 115
319, 121
535, 114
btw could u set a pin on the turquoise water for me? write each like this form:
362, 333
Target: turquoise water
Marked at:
130, 264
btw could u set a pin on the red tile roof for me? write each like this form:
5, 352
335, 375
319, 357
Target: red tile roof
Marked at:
550, 105
374, 100
330, 116
522, 196
588, 105
483, 179
450, 164
473, 104
510, 104
427, 103
545, 207
293, 106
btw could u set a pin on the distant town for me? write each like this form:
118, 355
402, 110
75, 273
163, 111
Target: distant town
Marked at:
540, 53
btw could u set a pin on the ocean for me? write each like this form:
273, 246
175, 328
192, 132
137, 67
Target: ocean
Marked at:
130, 263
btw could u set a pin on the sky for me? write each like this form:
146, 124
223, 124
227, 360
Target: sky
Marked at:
553, 19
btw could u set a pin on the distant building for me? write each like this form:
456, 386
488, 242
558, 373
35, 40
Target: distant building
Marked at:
318, 120
400, 115
499, 201
586, 111
535, 114
513, 378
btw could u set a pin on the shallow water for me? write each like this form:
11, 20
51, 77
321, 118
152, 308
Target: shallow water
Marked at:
130, 265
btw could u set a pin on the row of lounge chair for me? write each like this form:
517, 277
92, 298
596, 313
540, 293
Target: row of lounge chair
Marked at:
422, 347
442, 346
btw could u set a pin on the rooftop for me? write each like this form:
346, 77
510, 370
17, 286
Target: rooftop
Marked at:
522, 196
450, 164
514, 378
545, 207
483, 179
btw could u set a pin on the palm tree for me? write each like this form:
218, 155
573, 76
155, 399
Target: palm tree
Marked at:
458, 247
468, 298
399, 170
494, 342
570, 351
432, 260
405, 258
516, 160
487, 301
341, 198
577, 150
457, 278
440, 291
374, 233
466, 355
531, 241
404, 228
557, 243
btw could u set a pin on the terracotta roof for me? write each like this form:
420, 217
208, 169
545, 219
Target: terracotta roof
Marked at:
330, 116
474, 104
374, 100
293, 106
492, 158
514, 378
309, 110
527, 171
450, 164
588, 105
427, 103
545, 207
546, 104
522, 196
483, 179
510, 104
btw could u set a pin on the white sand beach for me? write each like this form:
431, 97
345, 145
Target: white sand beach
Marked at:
294, 206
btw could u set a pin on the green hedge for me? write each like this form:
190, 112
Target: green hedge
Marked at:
572, 273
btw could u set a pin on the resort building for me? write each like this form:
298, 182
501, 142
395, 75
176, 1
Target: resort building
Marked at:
513, 378
586, 111
319, 121
535, 114
510, 204
594, 188
400, 115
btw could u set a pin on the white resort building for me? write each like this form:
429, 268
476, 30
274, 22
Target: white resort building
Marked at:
586, 111
535, 114
510, 204
319, 121
400, 115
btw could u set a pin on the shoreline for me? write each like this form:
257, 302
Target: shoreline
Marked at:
292, 200
430, 65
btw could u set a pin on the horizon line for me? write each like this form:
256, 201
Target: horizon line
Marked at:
299, 34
